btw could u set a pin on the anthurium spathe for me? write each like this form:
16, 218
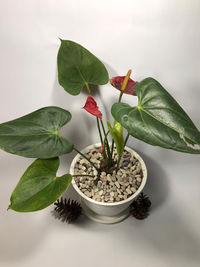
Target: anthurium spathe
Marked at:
91, 107
117, 134
118, 81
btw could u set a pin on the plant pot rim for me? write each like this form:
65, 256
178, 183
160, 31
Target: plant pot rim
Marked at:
97, 145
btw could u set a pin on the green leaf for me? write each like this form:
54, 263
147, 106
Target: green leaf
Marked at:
77, 68
36, 134
117, 134
158, 119
39, 187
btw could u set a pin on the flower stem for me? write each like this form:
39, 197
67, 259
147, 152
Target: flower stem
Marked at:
100, 135
79, 152
120, 96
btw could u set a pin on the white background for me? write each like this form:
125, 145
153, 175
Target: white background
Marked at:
155, 38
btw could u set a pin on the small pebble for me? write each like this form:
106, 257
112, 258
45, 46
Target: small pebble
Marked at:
125, 163
138, 169
99, 184
87, 193
132, 168
95, 172
105, 179
133, 189
139, 179
101, 192
113, 179
128, 191
138, 183
109, 178
97, 197
117, 184
83, 161
112, 194
118, 191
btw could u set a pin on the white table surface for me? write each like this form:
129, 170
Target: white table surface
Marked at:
155, 38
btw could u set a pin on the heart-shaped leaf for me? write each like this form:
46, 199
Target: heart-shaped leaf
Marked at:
158, 119
36, 134
77, 67
39, 187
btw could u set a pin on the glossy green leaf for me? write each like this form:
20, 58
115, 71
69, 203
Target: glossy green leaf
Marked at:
39, 187
117, 134
77, 68
36, 134
158, 119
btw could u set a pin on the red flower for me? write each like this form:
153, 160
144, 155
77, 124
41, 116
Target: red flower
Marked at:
91, 107
117, 83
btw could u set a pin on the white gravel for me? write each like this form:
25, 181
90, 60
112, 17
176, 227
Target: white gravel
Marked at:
111, 187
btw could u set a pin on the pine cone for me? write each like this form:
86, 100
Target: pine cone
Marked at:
140, 207
68, 211
144, 201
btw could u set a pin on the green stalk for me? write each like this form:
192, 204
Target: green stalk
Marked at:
104, 151
88, 88
112, 148
106, 143
124, 147
102, 143
100, 135
108, 150
126, 139
79, 152
120, 96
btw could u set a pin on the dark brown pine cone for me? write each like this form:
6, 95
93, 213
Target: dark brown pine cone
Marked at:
140, 207
68, 210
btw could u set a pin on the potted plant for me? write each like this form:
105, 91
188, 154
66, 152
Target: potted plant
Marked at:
108, 175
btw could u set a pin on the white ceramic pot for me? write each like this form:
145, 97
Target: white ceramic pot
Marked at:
107, 212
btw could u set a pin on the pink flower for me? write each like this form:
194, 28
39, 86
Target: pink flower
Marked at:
118, 81
91, 107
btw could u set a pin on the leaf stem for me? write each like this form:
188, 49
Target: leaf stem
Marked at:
79, 152
88, 88
126, 139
